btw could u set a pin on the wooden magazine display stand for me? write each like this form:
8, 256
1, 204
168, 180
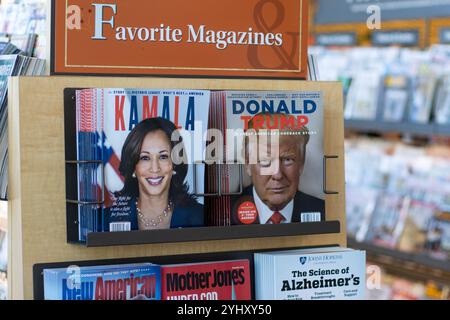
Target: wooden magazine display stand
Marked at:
37, 196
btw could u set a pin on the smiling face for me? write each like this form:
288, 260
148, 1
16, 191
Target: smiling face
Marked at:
276, 179
155, 168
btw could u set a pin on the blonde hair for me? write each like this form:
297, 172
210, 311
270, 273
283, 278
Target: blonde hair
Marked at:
273, 120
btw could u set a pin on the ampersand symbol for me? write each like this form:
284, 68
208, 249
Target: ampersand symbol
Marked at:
286, 59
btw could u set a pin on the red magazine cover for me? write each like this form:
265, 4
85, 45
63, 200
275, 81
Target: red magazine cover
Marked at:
219, 280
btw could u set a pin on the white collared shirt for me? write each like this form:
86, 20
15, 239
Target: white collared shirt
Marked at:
264, 213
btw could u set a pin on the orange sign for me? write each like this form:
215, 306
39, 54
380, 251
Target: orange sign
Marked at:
230, 38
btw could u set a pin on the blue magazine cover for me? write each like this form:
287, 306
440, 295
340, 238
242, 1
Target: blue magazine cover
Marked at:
112, 282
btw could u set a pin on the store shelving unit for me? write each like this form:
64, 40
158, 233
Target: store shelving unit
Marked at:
428, 130
417, 266
405, 265
420, 266
37, 210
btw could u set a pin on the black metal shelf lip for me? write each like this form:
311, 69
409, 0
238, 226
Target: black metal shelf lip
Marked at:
428, 129
418, 258
103, 239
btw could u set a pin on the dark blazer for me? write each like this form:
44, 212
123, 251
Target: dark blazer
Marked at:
302, 203
182, 216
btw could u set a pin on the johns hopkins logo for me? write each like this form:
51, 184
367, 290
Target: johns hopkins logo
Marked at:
302, 260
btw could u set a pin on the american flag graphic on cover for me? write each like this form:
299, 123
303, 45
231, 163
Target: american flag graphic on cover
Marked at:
89, 170
148, 141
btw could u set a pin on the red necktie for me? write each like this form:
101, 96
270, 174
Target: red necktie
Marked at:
276, 218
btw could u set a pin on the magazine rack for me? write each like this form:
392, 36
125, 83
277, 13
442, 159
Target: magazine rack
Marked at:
96, 239
37, 210
38, 269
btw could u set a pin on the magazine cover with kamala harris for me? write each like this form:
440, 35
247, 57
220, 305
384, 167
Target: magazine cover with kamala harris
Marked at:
148, 150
